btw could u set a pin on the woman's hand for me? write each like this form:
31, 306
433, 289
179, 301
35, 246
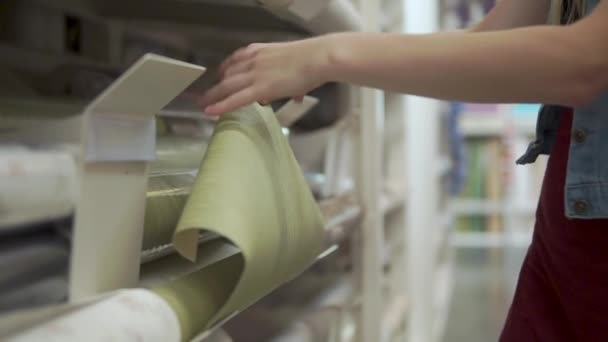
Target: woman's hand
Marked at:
266, 72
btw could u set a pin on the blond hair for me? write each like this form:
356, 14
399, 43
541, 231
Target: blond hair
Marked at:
566, 11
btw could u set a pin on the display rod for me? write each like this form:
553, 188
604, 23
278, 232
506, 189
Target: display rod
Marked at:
422, 127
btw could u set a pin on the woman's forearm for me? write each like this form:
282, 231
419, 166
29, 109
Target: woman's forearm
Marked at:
535, 64
549, 64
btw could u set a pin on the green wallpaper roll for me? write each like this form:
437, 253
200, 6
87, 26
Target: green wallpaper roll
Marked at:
251, 191
177, 154
169, 185
165, 201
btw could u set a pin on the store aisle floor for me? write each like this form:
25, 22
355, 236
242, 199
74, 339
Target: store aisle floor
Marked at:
484, 281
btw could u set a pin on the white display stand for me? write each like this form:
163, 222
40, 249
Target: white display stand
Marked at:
119, 134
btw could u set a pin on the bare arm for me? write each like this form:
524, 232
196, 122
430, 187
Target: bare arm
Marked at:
562, 65
551, 64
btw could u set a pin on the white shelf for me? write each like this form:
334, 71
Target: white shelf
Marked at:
392, 198
444, 165
393, 317
443, 293
340, 214
492, 240
495, 125
476, 207
524, 209
477, 125
442, 235
466, 207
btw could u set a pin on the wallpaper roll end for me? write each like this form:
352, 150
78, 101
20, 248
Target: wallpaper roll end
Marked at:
186, 243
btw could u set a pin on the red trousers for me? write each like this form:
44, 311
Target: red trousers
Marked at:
562, 292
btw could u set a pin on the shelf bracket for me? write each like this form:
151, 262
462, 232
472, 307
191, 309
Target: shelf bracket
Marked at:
118, 138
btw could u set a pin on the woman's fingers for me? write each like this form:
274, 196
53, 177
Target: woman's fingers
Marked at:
233, 58
232, 102
225, 88
264, 72
238, 56
238, 68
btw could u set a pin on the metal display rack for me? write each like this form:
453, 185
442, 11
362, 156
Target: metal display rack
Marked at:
391, 221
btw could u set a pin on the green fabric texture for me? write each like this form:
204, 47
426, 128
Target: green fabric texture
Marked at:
165, 200
198, 296
251, 191
169, 186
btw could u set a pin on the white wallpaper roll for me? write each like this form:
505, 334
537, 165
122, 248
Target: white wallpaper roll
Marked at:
127, 315
35, 185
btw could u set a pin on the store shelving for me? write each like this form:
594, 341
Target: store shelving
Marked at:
476, 207
444, 165
393, 198
394, 315
442, 236
443, 292
495, 136
342, 213
489, 207
482, 125
487, 240
495, 124
377, 215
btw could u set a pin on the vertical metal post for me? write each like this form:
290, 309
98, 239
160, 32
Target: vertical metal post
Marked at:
422, 128
420, 217
370, 190
372, 242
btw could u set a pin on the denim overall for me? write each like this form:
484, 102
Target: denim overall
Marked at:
587, 173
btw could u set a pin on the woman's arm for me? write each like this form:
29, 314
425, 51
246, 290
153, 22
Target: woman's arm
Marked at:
562, 65
559, 65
